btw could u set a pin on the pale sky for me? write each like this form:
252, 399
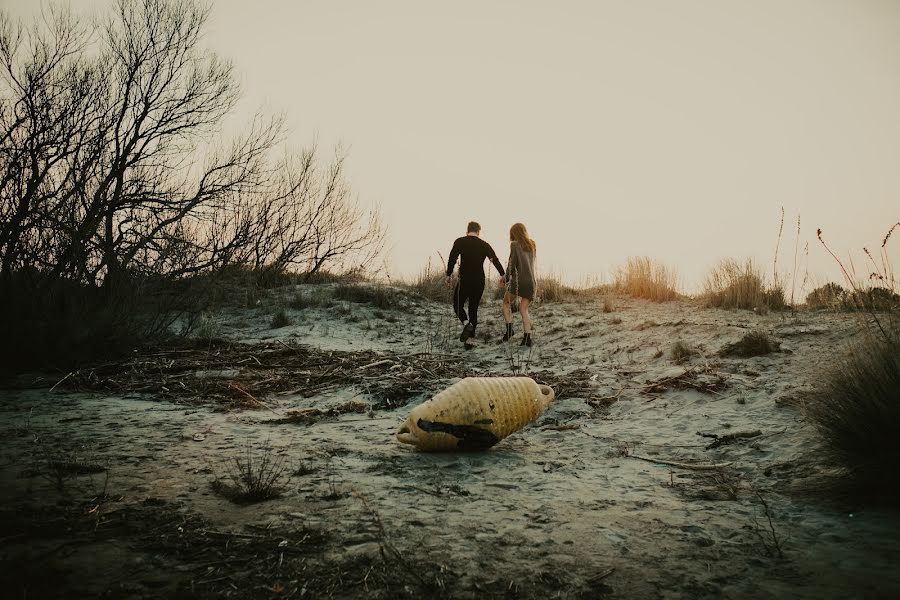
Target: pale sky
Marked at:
674, 129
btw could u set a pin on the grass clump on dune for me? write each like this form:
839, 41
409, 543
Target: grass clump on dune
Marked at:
681, 352
252, 478
857, 411
753, 343
734, 284
280, 319
857, 404
643, 277
379, 296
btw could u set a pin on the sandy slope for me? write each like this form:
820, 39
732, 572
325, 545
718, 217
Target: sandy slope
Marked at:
557, 509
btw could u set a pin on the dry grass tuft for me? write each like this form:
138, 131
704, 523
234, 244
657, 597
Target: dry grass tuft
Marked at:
253, 479
608, 306
732, 284
735, 284
430, 283
754, 343
681, 352
642, 277
377, 295
280, 319
856, 408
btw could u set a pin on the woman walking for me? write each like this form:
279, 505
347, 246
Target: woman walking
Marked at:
519, 280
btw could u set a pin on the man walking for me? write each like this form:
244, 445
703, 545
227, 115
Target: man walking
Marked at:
471, 250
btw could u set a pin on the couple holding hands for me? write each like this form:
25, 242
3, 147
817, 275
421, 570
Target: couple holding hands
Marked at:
518, 279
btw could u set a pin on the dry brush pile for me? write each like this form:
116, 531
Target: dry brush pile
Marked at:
235, 376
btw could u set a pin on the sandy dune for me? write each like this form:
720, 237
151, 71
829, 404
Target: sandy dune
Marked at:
560, 509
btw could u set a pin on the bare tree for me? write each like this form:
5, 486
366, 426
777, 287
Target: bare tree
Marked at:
109, 163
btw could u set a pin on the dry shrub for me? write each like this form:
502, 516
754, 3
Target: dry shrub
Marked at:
754, 343
830, 295
642, 277
857, 411
61, 323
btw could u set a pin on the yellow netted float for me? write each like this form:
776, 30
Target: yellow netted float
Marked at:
475, 413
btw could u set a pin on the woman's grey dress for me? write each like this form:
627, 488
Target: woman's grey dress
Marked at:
520, 279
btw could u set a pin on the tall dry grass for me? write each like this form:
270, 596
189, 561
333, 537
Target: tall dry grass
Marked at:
857, 405
857, 411
643, 277
735, 284
430, 281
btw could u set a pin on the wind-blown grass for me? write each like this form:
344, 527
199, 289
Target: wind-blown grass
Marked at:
643, 277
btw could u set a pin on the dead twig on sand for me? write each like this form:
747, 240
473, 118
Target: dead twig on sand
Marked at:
769, 537
681, 465
722, 440
69, 374
702, 378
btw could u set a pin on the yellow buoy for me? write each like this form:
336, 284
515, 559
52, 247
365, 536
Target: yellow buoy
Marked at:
475, 413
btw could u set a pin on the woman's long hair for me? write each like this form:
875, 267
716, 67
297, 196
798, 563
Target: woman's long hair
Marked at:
518, 233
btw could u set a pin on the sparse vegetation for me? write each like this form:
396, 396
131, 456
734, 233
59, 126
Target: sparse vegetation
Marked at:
642, 277
379, 296
857, 412
830, 295
732, 284
608, 306
253, 479
280, 319
106, 211
681, 352
856, 406
753, 343
430, 282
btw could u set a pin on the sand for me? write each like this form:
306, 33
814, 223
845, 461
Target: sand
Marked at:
559, 509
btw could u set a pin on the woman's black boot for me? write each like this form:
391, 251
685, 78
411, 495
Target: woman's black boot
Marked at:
509, 332
526, 340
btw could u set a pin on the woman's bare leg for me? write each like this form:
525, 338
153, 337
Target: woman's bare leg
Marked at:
507, 308
523, 310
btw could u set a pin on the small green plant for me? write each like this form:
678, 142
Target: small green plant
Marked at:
253, 479
280, 319
753, 343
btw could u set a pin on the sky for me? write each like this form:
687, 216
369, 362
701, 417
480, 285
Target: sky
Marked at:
672, 129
